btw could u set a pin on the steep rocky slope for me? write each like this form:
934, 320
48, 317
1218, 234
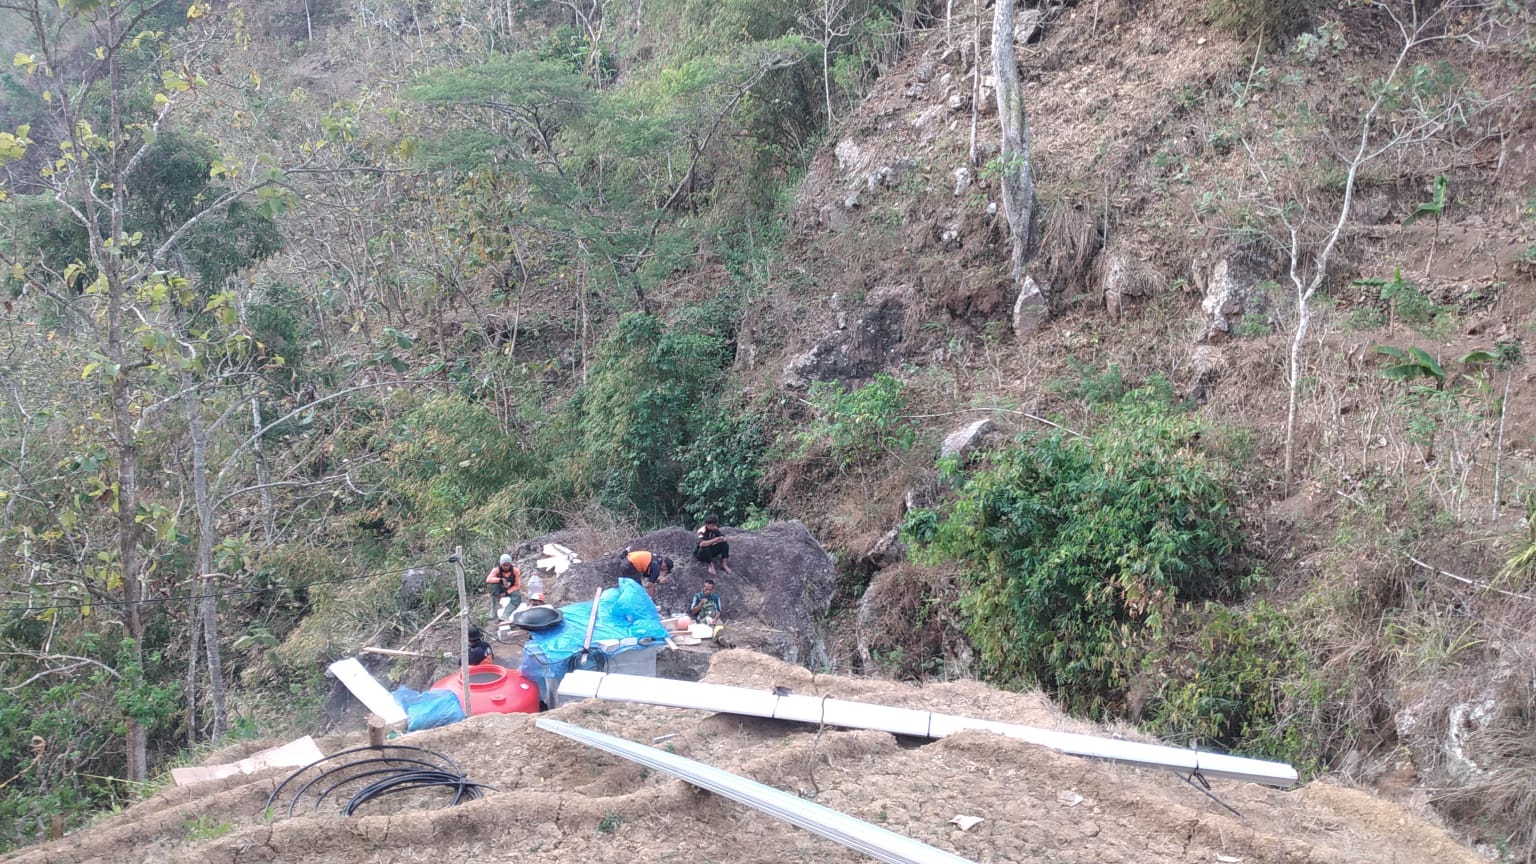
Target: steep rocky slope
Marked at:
1156, 137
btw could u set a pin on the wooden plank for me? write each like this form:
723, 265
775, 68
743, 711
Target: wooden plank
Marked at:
301, 751
368, 690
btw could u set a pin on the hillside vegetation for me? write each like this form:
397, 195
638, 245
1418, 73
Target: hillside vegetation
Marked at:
301, 295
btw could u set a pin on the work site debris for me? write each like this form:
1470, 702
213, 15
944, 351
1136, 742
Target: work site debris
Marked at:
966, 823
301, 751
372, 772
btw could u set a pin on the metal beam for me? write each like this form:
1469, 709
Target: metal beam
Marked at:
907, 721
854, 833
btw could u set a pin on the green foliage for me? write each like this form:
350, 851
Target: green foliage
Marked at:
78, 715
206, 827
647, 393
1254, 325
1092, 388
1411, 363
1434, 206
1228, 684
857, 426
725, 468
1521, 564
1071, 551
1406, 302
455, 470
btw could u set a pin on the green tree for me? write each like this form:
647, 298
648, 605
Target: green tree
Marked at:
111, 84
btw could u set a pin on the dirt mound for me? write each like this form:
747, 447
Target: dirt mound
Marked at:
780, 586
559, 801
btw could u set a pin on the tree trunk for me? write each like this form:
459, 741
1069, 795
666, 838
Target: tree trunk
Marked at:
103, 251
826, 75
208, 602
263, 474
1017, 179
1298, 339
195, 644
975, 76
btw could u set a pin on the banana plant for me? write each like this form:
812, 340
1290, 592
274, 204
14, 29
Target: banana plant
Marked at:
1410, 363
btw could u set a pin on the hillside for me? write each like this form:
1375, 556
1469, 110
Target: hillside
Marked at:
558, 801
1247, 461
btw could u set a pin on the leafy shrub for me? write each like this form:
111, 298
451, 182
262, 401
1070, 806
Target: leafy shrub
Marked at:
1072, 551
453, 470
1254, 325
1227, 684
1090, 387
725, 469
858, 426
1407, 303
652, 386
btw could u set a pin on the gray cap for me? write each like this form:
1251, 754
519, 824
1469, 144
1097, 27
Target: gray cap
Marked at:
506, 559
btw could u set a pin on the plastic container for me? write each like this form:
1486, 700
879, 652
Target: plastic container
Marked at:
544, 674
493, 690
632, 660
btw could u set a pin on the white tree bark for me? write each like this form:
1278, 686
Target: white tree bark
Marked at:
1017, 178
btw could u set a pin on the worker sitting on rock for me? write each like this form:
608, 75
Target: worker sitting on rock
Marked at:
647, 569
505, 582
712, 546
706, 607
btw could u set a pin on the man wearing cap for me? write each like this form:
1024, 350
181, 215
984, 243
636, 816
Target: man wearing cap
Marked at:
504, 581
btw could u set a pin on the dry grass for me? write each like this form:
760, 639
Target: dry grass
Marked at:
1070, 240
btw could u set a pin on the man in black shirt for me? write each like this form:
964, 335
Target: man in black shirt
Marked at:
712, 546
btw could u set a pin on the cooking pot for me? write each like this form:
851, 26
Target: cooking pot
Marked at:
537, 618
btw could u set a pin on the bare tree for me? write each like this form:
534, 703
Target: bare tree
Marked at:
1396, 115
831, 22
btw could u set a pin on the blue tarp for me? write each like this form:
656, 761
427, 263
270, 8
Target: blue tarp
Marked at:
429, 710
624, 612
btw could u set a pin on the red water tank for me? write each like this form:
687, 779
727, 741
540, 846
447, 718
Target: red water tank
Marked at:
494, 690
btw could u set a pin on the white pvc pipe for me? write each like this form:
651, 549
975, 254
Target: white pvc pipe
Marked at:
854, 833
907, 721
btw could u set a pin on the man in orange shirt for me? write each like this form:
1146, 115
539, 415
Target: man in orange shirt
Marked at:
647, 569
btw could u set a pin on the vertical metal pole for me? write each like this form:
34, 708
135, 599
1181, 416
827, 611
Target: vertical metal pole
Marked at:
458, 569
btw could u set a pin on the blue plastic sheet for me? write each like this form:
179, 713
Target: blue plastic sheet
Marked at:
428, 710
623, 612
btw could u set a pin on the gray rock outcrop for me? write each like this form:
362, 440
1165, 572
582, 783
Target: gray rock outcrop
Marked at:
964, 440
1030, 309
1238, 287
781, 585
865, 345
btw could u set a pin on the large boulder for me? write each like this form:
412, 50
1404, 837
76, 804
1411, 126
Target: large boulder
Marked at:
781, 585
856, 349
963, 440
